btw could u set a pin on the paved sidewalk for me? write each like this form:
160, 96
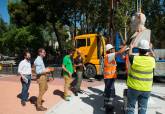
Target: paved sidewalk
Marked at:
89, 102
10, 87
92, 100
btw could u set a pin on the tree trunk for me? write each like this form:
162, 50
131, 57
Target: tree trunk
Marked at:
57, 35
75, 23
84, 21
87, 26
94, 24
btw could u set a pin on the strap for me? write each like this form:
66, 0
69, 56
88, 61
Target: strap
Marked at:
141, 79
109, 73
110, 65
141, 72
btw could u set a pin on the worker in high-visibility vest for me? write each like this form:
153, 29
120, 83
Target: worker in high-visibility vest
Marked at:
110, 75
140, 78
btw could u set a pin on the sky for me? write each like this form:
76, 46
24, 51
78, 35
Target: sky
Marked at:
4, 11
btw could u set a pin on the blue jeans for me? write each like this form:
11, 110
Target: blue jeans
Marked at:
25, 88
140, 96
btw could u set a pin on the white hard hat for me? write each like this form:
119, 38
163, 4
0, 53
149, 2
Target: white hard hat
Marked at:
127, 49
144, 44
108, 47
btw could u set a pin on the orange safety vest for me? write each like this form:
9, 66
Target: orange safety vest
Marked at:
109, 68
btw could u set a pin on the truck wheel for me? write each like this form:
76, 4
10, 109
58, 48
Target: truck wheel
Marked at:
90, 71
160, 79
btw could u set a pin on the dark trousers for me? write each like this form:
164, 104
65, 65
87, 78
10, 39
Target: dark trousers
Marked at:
78, 80
25, 88
109, 92
141, 97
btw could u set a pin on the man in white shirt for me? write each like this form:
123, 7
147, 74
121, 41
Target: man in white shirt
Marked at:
41, 78
25, 71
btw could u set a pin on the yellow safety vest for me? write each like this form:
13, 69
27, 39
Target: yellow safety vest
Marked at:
141, 73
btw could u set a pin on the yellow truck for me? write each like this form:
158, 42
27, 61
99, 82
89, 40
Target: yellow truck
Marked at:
92, 47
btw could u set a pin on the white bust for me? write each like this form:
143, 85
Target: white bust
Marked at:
138, 26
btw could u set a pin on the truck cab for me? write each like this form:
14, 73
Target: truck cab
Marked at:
92, 47
159, 71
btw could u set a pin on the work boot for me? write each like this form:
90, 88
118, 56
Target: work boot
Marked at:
102, 108
109, 110
41, 108
23, 103
76, 94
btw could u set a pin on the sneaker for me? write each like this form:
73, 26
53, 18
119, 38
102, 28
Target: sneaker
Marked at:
23, 103
41, 108
68, 95
80, 91
67, 99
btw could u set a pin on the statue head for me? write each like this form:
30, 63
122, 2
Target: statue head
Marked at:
138, 21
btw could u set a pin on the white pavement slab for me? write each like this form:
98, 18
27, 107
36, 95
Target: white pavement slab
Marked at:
91, 101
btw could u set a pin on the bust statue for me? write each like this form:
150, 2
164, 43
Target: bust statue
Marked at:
138, 26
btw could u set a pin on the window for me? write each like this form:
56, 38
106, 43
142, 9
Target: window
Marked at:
88, 42
80, 43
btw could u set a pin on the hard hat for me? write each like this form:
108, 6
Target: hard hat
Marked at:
108, 47
127, 49
143, 44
